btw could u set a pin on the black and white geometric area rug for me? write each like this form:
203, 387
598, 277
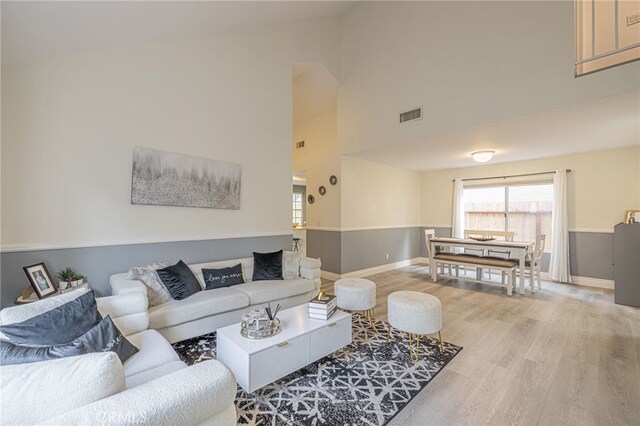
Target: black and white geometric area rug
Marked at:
365, 383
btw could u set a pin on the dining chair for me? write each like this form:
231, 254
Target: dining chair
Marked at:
486, 234
470, 234
428, 234
533, 264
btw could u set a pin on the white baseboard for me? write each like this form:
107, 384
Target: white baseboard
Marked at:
329, 275
375, 270
585, 281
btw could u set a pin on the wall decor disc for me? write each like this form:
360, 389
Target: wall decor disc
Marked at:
322, 190
333, 179
311, 198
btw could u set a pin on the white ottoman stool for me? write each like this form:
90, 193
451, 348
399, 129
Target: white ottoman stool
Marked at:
417, 314
356, 294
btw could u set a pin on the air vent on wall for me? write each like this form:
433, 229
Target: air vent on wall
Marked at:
414, 114
300, 144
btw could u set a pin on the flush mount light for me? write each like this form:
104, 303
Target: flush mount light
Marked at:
482, 156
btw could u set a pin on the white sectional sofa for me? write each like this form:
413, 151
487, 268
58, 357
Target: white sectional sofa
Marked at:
152, 387
206, 311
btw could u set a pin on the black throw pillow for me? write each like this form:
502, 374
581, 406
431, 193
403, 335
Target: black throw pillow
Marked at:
103, 337
58, 326
267, 266
223, 277
179, 280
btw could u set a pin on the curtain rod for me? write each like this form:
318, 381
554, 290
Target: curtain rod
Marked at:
510, 176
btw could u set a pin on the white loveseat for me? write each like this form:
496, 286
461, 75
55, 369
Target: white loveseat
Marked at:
206, 311
152, 387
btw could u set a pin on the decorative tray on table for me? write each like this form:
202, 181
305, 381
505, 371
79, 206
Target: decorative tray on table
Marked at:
267, 329
482, 238
260, 323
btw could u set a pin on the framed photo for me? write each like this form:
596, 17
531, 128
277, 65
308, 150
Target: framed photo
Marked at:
40, 280
632, 216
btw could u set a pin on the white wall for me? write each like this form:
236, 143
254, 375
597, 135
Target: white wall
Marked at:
377, 196
368, 194
319, 159
601, 186
466, 63
70, 124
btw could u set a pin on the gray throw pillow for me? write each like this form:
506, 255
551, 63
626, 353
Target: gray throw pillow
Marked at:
103, 337
156, 291
58, 326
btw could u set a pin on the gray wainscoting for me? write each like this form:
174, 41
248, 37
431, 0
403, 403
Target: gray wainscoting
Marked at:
369, 248
99, 263
327, 246
349, 251
590, 253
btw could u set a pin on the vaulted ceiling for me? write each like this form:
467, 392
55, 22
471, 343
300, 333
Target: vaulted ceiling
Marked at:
37, 30
394, 55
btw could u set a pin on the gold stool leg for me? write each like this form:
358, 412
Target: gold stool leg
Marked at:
441, 345
389, 335
372, 320
365, 314
416, 341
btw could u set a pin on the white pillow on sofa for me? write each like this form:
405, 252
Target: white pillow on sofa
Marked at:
32, 393
157, 293
291, 265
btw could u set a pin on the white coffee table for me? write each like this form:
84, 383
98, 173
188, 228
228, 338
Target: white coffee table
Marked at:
303, 340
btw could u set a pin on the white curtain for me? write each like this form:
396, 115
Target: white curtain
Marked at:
559, 267
458, 209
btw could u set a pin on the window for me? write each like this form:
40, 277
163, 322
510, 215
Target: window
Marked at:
297, 209
524, 209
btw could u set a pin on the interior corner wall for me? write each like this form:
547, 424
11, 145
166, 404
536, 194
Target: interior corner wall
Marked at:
373, 205
601, 186
377, 195
319, 159
380, 211
70, 125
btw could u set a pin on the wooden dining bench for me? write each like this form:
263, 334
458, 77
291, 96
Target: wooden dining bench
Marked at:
506, 266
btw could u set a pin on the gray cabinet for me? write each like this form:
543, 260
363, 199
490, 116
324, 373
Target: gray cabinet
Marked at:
626, 264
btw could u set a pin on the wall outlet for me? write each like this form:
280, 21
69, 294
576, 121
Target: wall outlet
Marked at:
387, 256
633, 18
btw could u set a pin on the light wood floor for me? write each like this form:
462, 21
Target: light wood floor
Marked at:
566, 355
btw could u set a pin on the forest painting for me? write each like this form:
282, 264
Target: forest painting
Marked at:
166, 179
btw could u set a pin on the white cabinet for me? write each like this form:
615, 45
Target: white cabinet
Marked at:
303, 340
278, 361
328, 339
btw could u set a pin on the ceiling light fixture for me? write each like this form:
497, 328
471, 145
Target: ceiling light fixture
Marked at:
482, 156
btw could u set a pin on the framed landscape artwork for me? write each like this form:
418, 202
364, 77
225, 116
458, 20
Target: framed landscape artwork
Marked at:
166, 179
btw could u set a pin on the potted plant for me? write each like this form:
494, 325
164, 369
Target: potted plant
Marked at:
69, 277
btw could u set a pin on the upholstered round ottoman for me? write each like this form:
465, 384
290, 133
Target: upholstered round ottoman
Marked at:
356, 294
417, 314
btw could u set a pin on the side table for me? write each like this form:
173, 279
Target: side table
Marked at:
29, 296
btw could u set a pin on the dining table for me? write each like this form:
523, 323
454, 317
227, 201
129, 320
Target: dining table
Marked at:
518, 250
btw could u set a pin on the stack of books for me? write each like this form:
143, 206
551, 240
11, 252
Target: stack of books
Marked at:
322, 308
